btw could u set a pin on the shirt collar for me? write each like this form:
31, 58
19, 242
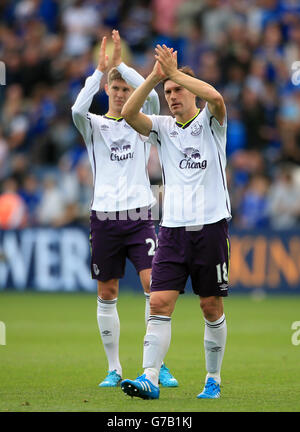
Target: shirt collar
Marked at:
118, 119
186, 124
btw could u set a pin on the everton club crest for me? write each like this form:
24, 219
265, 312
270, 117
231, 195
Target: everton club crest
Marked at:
196, 128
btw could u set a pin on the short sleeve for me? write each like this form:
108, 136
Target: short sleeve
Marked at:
213, 122
154, 137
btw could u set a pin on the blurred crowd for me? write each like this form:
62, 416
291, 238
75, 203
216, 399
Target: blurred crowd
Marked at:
248, 49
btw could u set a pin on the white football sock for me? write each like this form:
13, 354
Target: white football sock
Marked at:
109, 327
147, 307
156, 345
147, 310
215, 334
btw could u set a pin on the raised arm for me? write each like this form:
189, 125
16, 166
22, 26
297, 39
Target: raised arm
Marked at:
132, 77
200, 88
85, 97
132, 108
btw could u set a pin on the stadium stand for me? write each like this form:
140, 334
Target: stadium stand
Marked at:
246, 49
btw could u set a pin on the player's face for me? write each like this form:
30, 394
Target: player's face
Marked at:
118, 92
179, 99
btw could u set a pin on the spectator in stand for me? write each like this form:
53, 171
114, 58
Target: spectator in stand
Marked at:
289, 127
165, 15
138, 37
14, 120
195, 46
210, 70
81, 22
4, 167
284, 200
51, 209
253, 212
271, 49
35, 69
236, 134
12, 207
31, 195
47, 11
85, 195
253, 118
292, 47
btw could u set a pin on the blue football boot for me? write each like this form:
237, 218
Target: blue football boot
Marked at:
166, 379
211, 390
113, 379
140, 387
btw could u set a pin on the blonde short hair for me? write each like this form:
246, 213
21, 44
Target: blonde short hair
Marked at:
113, 75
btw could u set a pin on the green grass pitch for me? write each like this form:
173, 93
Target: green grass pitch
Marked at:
53, 359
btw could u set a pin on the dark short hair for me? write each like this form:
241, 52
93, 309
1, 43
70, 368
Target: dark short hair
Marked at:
186, 70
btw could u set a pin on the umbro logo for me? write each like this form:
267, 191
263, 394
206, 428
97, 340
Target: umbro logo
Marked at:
106, 333
215, 349
223, 287
173, 134
104, 127
146, 343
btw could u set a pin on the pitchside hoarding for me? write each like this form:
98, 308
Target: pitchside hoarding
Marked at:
48, 259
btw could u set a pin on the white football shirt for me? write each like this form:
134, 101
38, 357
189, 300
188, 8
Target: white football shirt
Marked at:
193, 160
117, 153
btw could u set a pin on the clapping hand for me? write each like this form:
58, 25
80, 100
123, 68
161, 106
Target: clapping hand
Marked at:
117, 55
103, 57
167, 59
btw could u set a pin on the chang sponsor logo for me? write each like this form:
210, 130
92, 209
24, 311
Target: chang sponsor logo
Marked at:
114, 157
121, 150
189, 164
191, 159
